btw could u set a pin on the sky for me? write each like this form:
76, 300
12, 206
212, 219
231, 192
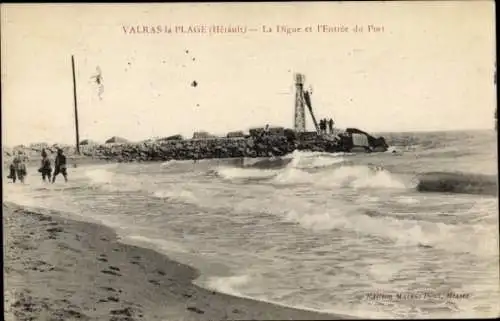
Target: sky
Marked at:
429, 67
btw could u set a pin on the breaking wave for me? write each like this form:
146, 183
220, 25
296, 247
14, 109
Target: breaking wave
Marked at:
99, 176
313, 160
297, 159
319, 169
333, 170
403, 232
112, 182
344, 176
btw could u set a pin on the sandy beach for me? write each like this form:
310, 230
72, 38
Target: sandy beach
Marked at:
59, 269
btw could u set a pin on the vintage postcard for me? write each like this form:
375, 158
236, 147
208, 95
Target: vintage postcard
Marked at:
250, 161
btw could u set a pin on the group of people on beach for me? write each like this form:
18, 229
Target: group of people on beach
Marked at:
59, 166
18, 167
326, 124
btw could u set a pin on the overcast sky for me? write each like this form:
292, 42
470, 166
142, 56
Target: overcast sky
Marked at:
431, 68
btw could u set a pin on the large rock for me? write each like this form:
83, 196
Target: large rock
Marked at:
173, 137
235, 134
116, 140
88, 142
203, 135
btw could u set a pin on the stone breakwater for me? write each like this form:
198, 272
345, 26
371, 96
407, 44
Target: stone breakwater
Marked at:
195, 149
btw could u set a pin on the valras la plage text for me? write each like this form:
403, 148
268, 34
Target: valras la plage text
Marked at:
184, 29
211, 29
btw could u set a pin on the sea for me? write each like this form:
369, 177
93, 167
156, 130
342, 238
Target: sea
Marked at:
349, 234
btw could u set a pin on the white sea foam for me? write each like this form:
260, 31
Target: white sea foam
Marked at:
329, 171
100, 176
176, 194
454, 238
110, 181
358, 177
160, 244
229, 284
310, 160
231, 173
407, 200
237, 285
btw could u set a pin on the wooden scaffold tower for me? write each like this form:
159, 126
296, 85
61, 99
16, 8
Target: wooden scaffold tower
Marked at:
300, 116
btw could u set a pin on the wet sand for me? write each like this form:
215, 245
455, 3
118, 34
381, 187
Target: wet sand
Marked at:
60, 269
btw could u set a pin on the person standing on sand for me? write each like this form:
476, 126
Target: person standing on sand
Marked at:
60, 166
18, 168
46, 166
12, 172
330, 125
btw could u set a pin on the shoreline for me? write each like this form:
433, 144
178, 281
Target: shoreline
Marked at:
64, 269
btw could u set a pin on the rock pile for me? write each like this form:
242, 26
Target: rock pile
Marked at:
193, 149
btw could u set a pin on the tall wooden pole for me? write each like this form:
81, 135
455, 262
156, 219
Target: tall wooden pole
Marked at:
76, 107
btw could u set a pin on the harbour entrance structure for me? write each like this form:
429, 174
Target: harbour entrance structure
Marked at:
302, 98
343, 140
